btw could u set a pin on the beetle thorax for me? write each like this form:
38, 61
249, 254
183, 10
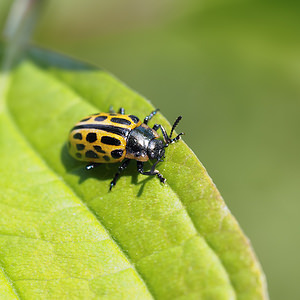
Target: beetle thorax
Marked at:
138, 142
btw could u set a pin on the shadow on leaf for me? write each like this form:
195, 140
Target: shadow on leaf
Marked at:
102, 172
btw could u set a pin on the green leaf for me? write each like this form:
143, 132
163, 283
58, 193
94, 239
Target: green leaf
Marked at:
64, 235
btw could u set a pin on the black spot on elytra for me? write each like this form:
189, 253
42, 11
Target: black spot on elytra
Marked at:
85, 119
91, 154
134, 119
91, 137
78, 155
100, 118
110, 141
120, 121
117, 153
106, 158
77, 136
99, 149
80, 147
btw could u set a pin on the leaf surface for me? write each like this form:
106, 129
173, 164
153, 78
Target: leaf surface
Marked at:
63, 234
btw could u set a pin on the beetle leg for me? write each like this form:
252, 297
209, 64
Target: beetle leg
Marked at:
91, 166
111, 110
155, 127
148, 118
122, 111
140, 168
122, 167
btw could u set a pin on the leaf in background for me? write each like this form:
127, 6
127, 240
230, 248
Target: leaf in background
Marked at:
62, 234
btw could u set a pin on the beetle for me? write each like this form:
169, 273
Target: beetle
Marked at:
117, 137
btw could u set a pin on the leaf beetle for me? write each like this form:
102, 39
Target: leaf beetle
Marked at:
117, 137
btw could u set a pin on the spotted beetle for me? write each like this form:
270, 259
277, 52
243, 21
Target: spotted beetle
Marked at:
116, 137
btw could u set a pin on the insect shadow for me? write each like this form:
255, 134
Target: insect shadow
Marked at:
102, 172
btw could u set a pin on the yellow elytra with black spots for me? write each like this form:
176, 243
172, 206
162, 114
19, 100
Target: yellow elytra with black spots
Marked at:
112, 137
102, 137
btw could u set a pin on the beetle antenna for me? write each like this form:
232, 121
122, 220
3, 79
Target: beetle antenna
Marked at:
174, 126
178, 136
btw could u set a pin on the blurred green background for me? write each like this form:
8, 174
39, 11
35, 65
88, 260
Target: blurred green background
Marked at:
232, 69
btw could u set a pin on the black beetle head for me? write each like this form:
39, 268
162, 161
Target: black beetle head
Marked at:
156, 149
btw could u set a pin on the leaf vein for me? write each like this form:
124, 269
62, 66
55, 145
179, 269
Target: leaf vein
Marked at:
10, 282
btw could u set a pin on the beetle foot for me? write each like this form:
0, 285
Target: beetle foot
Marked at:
161, 178
112, 183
